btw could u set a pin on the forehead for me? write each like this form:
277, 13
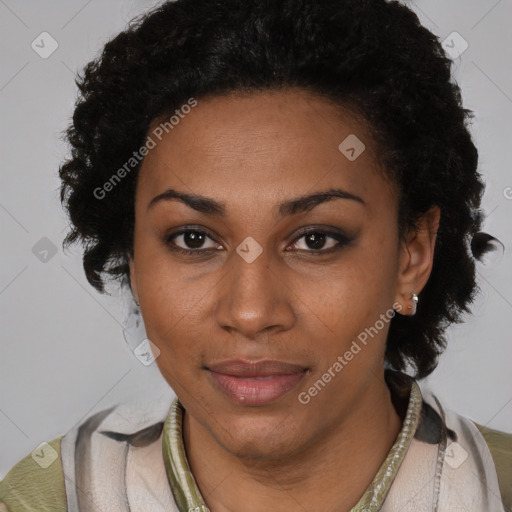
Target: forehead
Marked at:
260, 146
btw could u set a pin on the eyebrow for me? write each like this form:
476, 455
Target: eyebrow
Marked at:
294, 206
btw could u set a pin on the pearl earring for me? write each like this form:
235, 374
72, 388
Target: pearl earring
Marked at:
415, 300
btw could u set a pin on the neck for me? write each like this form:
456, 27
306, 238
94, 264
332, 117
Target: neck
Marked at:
332, 473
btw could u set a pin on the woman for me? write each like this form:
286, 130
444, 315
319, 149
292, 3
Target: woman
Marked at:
291, 193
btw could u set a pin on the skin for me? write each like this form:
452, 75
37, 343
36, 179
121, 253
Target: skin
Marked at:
252, 153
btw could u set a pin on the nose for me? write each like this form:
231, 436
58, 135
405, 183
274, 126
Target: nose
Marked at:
254, 299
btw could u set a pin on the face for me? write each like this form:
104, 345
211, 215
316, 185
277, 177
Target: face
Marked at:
244, 268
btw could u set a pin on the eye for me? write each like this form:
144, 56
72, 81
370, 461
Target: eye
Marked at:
194, 242
191, 241
319, 241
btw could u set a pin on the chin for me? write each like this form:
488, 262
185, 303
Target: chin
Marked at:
261, 449
259, 439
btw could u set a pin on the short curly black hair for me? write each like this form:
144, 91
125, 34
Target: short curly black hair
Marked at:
370, 56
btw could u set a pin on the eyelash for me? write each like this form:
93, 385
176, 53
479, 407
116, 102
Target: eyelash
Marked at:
340, 238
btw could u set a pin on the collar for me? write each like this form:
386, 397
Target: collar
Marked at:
187, 494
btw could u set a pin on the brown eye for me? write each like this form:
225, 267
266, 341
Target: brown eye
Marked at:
318, 241
191, 241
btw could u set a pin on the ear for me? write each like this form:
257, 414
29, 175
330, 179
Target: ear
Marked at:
133, 278
416, 259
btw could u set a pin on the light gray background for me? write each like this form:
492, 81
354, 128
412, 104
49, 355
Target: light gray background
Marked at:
63, 356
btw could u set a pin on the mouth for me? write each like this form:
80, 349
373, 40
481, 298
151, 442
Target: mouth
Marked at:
255, 383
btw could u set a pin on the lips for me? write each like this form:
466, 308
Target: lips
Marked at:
266, 368
255, 383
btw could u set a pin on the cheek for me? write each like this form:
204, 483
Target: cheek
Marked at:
355, 296
171, 308
165, 291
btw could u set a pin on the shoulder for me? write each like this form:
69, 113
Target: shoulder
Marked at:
48, 478
36, 482
488, 452
500, 446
